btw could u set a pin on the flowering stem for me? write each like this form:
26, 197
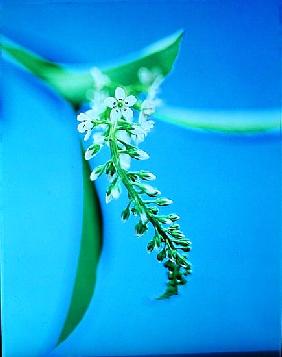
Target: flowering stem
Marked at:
173, 267
113, 123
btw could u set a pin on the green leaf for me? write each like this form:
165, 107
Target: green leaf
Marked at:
74, 85
90, 249
250, 122
161, 54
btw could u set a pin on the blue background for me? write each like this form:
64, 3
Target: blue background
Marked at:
226, 188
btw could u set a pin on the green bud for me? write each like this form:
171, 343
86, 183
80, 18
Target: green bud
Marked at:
110, 170
140, 228
173, 217
133, 177
146, 175
163, 201
185, 249
149, 190
97, 172
154, 210
177, 234
161, 255
92, 151
164, 219
126, 213
169, 265
151, 246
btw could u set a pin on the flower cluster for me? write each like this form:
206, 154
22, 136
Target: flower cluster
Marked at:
121, 122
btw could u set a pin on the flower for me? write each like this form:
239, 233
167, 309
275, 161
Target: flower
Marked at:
142, 129
113, 193
99, 78
120, 105
124, 159
97, 101
147, 76
99, 138
86, 124
92, 151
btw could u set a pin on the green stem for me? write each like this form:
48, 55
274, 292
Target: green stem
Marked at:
132, 192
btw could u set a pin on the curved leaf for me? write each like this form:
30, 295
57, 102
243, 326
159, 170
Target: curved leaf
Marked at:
231, 122
161, 54
73, 85
90, 249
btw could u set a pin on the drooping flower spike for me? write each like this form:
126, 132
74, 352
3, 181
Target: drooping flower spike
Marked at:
122, 126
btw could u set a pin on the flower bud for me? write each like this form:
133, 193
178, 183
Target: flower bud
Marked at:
140, 228
146, 175
149, 190
141, 155
92, 151
173, 217
163, 201
125, 214
97, 172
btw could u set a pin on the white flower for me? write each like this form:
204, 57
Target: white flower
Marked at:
141, 155
147, 76
153, 90
88, 154
142, 129
151, 191
148, 107
99, 138
123, 136
97, 172
86, 124
99, 78
120, 105
124, 160
143, 217
92, 151
98, 101
114, 193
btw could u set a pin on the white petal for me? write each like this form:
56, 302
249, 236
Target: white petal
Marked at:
143, 217
119, 93
130, 100
81, 127
110, 102
139, 135
99, 138
92, 114
142, 155
94, 175
127, 113
87, 135
115, 114
124, 136
88, 125
88, 154
108, 198
116, 192
145, 75
81, 117
100, 79
125, 161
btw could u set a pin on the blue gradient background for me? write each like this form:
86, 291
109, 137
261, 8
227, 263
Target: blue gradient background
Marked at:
226, 188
